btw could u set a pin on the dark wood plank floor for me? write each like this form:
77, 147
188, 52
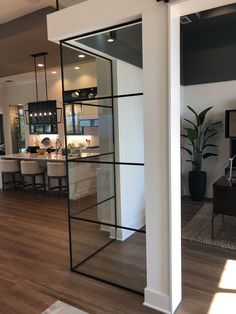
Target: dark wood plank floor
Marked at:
34, 263
202, 268
121, 256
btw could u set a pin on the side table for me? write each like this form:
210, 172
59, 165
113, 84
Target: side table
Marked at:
224, 199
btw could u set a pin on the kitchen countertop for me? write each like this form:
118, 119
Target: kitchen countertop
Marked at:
48, 157
27, 156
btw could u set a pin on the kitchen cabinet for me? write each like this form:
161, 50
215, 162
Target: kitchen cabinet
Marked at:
77, 124
43, 117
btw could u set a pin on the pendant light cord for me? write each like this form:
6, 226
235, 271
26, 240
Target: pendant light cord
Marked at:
35, 56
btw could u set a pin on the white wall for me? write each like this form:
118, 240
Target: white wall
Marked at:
222, 96
105, 115
82, 78
105, 173
129, 138
158, 293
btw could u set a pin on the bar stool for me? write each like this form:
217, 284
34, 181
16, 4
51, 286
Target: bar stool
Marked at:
32, 169
56, 170
10, 168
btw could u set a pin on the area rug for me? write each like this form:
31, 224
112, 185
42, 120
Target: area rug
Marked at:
198, 229
62, 308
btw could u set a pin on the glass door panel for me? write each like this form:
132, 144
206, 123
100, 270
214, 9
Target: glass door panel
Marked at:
104, 127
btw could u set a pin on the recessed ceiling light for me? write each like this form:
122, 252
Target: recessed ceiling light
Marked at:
77, 67
40, 65
81, 55
111, 36
54, 72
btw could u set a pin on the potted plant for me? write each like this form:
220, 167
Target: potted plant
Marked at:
198, 135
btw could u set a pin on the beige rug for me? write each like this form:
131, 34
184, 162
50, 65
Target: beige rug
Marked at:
62, 308
198, 229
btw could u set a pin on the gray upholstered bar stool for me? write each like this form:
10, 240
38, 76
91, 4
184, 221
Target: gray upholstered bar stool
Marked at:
10, 168
32, 170
57, 170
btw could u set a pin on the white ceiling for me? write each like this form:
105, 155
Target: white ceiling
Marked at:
12, 9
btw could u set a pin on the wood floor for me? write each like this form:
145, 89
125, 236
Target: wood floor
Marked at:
202, 268
34, 263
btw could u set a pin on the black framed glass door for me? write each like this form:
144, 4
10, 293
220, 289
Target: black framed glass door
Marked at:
106, 185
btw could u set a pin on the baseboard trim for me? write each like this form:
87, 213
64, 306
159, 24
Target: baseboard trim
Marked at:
157, 301
123, 234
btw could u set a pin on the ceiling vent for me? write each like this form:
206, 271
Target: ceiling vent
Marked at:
185, 20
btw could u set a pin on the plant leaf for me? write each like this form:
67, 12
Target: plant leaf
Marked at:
186, 136
209, 136
210, 127
208, 145
207, 155
194, 125
187, 150
215, 123
192, 134
196, 115
202, 115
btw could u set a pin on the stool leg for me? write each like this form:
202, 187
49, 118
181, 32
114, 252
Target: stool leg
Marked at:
13, 182
33, 183
44, 184
3, 183
49, 185
23, 183
60, 187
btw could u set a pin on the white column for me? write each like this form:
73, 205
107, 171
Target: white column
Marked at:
163, 266
155, 40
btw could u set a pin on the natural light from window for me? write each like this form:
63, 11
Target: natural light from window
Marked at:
228, 277
225, 301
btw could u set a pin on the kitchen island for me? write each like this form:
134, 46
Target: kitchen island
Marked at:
39, 157
82, 177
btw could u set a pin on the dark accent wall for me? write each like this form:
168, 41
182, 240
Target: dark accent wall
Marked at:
208, 55
127, 45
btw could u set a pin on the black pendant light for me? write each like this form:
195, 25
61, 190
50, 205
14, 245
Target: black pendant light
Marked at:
42, 111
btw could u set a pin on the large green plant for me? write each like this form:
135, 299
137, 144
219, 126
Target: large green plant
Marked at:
198, 135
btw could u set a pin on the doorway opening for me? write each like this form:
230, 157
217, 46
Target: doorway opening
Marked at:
208, 79
106, 172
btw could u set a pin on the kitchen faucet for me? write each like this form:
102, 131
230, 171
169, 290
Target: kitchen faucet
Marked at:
57, 144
